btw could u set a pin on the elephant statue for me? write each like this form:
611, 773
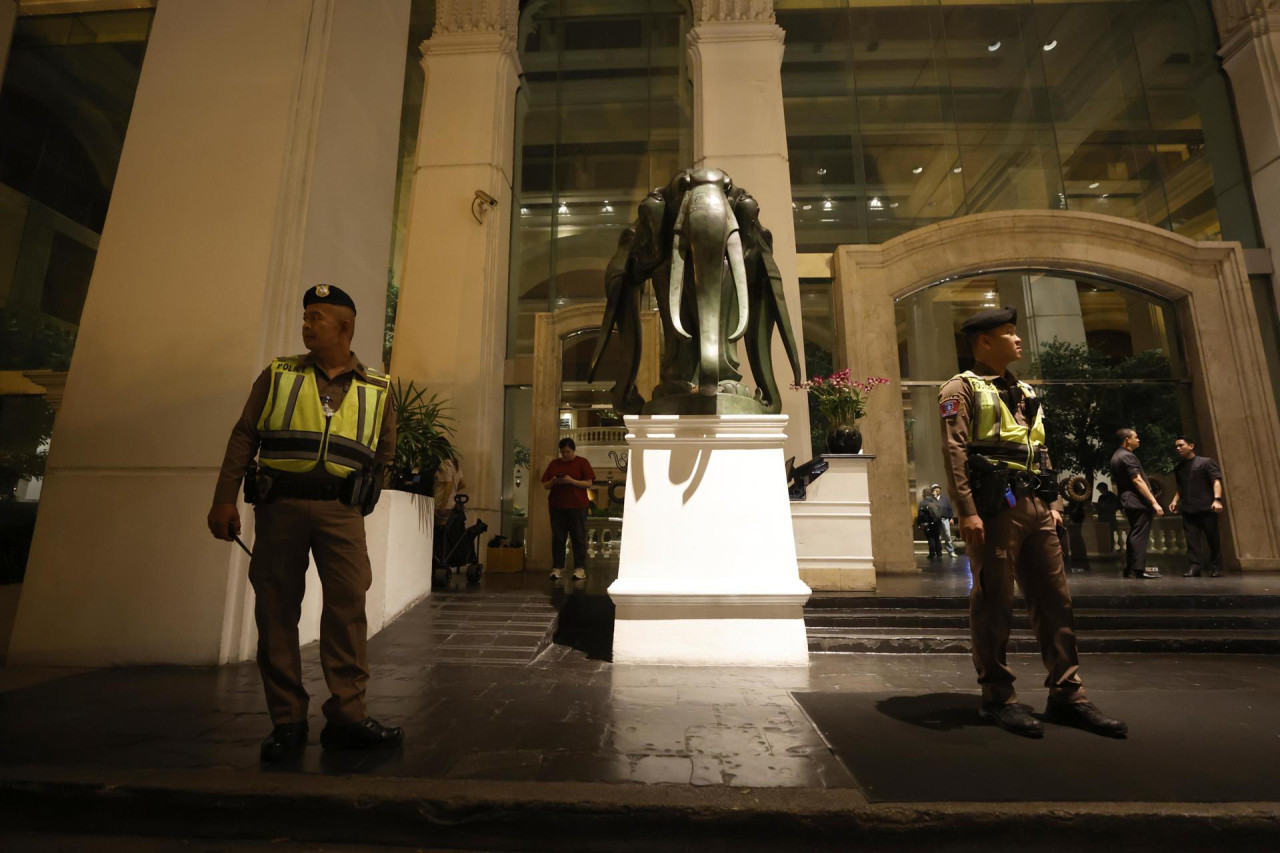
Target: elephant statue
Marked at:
700, 241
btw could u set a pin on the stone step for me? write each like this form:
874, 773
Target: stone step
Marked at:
956, 641
1105, 620
827, 601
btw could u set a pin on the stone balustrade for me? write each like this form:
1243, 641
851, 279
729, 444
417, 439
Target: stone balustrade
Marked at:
588, 436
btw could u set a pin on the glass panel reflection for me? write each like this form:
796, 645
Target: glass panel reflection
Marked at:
902, 113
1102, 355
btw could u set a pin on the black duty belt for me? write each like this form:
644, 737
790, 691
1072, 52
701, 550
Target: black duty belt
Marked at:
304, 490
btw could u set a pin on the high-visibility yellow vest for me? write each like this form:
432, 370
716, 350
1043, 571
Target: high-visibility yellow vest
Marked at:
995, 432
297, 435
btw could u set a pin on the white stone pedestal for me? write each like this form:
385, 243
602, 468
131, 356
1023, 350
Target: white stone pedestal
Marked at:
708, 572
833, 527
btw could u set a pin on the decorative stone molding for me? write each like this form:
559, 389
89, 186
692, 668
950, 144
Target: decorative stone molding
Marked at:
718, 11
477, 16
1206, 281
1231, 15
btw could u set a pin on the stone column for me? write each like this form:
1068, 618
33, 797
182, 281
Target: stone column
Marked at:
8, 16
735, 62
260, 157
1250, 32
451, 321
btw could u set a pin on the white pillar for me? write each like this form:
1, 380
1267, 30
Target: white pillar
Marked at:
1250, 31
8, 17
260, 157
735, 61
451, 321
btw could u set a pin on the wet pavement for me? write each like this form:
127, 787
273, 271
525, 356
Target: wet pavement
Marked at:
484, 690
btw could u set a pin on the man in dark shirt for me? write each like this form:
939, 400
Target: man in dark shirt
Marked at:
1199, 499
1108, 504
567, 480
1137, 501
929, 518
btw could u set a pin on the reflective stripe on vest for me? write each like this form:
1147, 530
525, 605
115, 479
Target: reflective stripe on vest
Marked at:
996, 432
295, 433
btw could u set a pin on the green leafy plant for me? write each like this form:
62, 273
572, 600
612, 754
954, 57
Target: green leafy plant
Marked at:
424, 438
1093, 395
521, 455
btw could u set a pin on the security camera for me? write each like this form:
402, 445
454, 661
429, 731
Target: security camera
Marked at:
481, 204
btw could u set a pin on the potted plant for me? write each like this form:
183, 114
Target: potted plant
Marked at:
424, 436
842, 401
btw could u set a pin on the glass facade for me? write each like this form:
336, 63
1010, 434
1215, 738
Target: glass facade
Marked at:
65, 103
902, 113
603, 116
1102, 355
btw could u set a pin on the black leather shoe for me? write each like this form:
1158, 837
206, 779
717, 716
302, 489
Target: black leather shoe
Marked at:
1191, 573
284, 740
1013, 718
366, 734
1147, 576
1085, 715
1215, 574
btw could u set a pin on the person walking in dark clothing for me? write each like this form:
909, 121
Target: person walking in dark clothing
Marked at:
1108, 504
1137, 501
1199, 499
567, 480
929, 518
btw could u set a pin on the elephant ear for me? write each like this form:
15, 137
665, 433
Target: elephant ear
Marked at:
779, 299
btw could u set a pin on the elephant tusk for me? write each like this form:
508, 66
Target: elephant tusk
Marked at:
677, 277
739, 270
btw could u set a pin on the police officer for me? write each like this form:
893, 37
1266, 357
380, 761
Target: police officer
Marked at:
321, 426
999, 479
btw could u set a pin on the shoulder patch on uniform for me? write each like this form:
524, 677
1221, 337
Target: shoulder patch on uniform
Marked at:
950, 407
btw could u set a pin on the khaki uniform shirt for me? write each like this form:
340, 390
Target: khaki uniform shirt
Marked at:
956, 404
243, 445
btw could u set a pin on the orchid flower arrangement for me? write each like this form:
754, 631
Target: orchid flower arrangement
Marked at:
840, 398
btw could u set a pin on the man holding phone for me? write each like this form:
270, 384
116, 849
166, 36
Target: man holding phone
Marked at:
567, 480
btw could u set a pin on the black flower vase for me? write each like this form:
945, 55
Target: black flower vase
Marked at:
844, 438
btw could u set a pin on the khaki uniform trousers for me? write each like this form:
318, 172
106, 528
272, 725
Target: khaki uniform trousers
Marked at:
285, 531
1022, 543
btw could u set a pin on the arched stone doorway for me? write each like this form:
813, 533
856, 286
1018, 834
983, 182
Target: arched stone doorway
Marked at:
1206, 282
551, 330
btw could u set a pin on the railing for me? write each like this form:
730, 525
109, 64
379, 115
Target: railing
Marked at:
596, 435
604, 542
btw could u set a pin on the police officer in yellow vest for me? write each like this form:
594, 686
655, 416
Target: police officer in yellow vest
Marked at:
1002, 487
322, 427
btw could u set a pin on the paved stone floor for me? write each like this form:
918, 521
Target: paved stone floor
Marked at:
484, 693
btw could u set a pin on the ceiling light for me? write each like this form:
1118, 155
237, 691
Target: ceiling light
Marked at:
1104, 195
822, 171
807, 207
563, 210
990, 294
876, 204
608, 208
524, 211
994, 46
917, 170
957, 170
826, 205
1050, 45
893, 204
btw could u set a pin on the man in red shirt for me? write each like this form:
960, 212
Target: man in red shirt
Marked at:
567, 480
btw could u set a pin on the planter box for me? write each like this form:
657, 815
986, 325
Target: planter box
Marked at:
833, 527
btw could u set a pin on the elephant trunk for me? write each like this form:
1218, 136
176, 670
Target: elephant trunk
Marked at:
707, 230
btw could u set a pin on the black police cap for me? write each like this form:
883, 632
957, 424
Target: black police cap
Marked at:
327, 294
992, 318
